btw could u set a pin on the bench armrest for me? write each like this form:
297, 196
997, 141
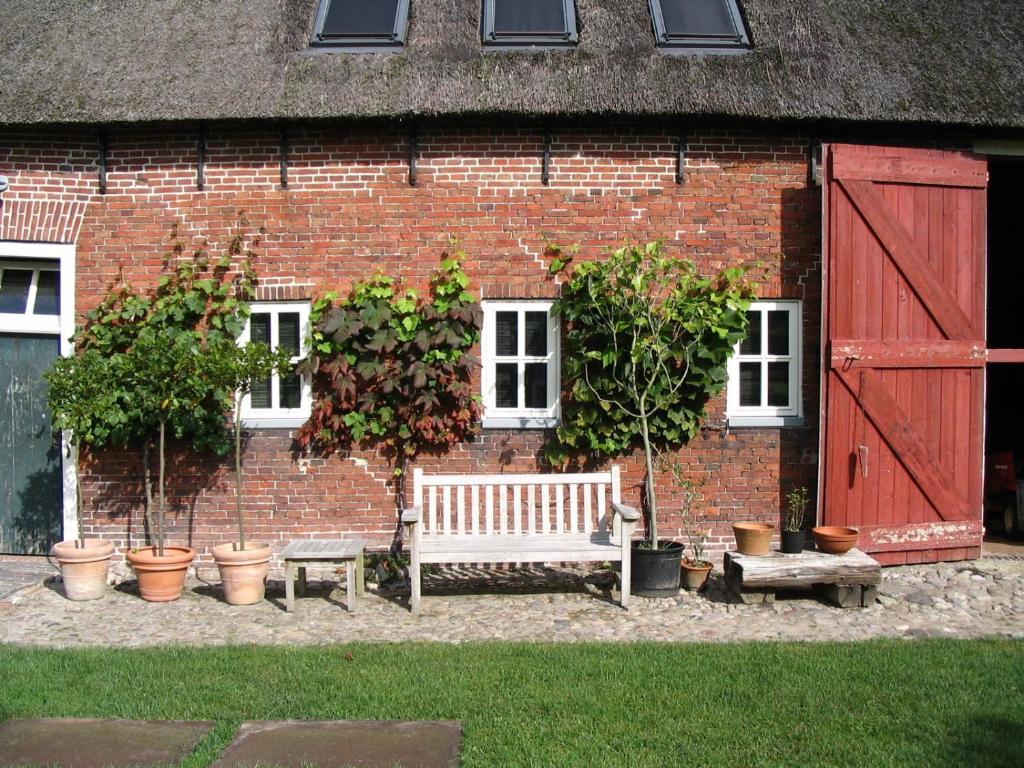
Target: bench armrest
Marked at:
411, 515
628, 514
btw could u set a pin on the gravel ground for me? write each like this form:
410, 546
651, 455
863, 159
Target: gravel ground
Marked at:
969, 599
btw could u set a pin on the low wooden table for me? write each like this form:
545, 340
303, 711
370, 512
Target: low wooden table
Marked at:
302, 552
850, 580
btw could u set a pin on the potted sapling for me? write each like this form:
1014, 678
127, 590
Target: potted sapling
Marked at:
696, 567
84, 405
793, 516
243, 564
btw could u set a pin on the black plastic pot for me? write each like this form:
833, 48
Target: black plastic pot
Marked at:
792, 542
656, 571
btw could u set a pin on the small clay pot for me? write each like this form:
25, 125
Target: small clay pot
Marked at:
161, 579
753, 538
243, 572
694, 577
84, 569
835, 540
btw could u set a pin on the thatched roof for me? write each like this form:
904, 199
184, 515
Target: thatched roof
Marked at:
111, 61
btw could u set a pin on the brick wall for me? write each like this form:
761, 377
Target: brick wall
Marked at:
349, 209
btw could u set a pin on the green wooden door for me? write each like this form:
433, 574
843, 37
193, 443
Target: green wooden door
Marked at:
30, 462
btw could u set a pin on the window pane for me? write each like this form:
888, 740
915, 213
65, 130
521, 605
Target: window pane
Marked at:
259, 327
752, 344
536, 385
698, 18
750, 384
506, 334
778, 332
517, 17
288, 332
537, 334
778, 384
291, 391
259, 397
506, 386
47, 293
14, 285
358, 18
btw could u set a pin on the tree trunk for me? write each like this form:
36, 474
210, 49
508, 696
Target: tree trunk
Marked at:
78, 497
160, 511
238, 476
147, 480
652, 499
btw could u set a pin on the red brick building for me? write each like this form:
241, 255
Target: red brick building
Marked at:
354, 153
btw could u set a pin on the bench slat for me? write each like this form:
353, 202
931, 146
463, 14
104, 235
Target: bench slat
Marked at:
559, 509
583, 478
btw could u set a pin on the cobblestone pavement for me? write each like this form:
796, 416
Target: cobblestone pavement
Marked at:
18, 572
970, 599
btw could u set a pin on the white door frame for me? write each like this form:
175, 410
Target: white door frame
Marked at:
64, 255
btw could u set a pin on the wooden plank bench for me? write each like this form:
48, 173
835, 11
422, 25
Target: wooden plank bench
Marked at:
849, 581
302, 552
516, 518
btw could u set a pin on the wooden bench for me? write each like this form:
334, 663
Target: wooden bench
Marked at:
575, 518
302, 552
850, 580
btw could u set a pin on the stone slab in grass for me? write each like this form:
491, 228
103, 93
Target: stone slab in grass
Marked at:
86, 743
344, 744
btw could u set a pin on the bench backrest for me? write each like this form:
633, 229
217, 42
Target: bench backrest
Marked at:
480, 505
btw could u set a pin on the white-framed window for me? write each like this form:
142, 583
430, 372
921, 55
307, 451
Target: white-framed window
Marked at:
520, 376
30, 296
765, 370
280, 401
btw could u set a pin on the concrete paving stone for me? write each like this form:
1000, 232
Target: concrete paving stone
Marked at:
344, 744
88, 743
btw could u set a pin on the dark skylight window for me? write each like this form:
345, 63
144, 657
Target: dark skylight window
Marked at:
514, 23
361, 23
699, 24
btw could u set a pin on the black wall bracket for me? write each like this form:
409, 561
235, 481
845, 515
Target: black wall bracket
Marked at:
201, 159
814, 165
284, 155
681, 146
545, 170
102, 139
414, 149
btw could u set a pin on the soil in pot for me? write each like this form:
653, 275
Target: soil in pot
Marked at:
835, 540
792, 542
695, 575
84, 569
161, 579
656, 571
753, 538
243, 572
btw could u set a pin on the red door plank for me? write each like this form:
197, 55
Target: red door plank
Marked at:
939, 301
885, 353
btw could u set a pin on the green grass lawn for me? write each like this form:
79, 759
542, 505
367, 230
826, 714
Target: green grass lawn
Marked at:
922, 703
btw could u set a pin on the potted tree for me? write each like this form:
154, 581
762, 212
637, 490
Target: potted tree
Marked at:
83, 404
243, 564
793, 517
696, 566
647, 343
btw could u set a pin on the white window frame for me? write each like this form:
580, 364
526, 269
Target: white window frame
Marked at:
28, 321
770, 415
256, 418
519, 418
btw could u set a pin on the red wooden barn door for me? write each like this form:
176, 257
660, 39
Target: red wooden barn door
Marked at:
905, 350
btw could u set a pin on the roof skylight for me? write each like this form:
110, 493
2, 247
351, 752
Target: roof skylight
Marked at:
699, 24
361, 23
516, 23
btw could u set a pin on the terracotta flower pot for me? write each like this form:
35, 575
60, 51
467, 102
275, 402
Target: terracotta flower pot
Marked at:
161, 579
243, 573
84, 569
695, 576
753, 538
835, 540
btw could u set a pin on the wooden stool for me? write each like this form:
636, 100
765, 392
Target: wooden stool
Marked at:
302, 552
849, 581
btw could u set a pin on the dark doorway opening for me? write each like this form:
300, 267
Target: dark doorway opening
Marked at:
1004, 392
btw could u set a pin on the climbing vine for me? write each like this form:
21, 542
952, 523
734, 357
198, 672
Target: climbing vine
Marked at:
393, 368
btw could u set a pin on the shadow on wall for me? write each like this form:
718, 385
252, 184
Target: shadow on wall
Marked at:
801, 279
